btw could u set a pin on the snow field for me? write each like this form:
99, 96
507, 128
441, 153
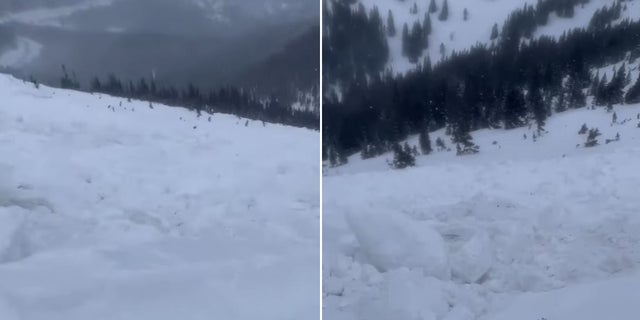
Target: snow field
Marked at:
457, 34
112, 210
526, 226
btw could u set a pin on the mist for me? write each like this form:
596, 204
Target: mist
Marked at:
205, 42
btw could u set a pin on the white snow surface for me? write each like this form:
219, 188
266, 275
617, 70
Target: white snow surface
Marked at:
112, 210
532, 230
457, 34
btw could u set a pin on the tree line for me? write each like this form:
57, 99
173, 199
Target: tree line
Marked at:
507, 84
228, 99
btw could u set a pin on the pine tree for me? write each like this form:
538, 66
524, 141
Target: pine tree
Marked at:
391, 25
584, 129
426, 25
342, 158
405, 40
402, 156
414, 9
433, 7
494, 32
536, 103
514, 108
333, 160
417, 42
592, 138
617, 84
601, 95
425, 142
465, 14
444, 13
633, 95
96, 86
440, 145
575, 95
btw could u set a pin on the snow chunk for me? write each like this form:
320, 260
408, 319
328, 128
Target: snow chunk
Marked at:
473, 259
390, 241
406, 295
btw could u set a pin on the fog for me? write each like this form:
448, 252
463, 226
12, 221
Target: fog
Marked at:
207, 42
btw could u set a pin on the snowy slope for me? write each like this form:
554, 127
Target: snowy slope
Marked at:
457, 34
111, 210
531, 230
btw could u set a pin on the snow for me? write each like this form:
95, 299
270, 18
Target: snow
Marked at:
582, 16
406, 244
616, 298
457, 34
112, 210
545, 229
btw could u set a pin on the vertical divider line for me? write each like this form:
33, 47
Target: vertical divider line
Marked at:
320, 4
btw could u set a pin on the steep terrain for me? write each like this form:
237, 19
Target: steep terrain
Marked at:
544, 229
458, 34
116, 209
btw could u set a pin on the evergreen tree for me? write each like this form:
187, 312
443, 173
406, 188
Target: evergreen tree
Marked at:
96, 86
494, 32
391, 25
615, 88
433, 7
402, 156
425, 142
414, 9
440, 145
444, 13
67, 82
601, 95
426, 25
584, 129
633, 95
333, 159
514, 108
575, 95
592, 138
465, 14
405, 40
536, 103
342, 158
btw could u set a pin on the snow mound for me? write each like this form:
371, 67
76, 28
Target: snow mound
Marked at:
406, 295
473, 258
390, 241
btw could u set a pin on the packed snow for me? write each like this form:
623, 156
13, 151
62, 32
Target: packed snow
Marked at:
531, 229
457, 34
112, 209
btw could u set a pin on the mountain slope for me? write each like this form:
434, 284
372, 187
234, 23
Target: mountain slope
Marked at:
457, 34
520, 218
112, 210
295, 67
